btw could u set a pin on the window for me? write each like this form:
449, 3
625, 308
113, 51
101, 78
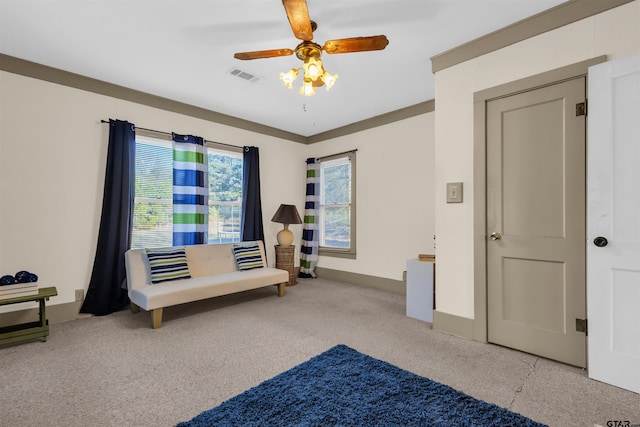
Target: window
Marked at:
337, 205
153, 203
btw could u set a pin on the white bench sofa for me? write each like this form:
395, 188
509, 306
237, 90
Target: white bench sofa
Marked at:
213, 270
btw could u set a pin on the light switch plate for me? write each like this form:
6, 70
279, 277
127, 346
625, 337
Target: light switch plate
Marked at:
454, 192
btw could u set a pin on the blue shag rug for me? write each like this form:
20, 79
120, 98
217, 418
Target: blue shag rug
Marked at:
342, 387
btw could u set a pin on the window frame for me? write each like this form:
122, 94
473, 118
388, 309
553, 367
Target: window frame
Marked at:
330, 251
164, 139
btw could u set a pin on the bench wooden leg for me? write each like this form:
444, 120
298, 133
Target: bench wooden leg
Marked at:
281, 289
135, 308
156, 318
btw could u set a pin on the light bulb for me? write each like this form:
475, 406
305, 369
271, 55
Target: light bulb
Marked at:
312, 68
313, 71
307, 88
329, 79
289, 77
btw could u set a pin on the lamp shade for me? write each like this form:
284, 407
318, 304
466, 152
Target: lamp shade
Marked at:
287, 214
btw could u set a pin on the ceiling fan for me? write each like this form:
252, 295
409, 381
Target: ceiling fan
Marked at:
310, 52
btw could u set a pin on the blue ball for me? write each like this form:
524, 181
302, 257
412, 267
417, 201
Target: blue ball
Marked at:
7, 280
33, 278
22, 276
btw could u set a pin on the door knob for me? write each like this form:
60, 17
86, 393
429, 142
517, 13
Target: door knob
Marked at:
600, 241
495, 236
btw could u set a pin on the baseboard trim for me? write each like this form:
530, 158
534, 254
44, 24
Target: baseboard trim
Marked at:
452, 324
55, 313
390, 285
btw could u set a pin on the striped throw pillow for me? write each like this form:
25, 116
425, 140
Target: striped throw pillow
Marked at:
168, 264
248, 257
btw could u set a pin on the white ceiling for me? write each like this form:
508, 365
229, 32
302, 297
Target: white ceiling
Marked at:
183, 50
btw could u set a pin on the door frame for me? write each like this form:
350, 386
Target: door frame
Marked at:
480, 99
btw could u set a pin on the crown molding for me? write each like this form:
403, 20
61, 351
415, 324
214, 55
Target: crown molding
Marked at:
54, 75
556, 17
34, 70
373, 122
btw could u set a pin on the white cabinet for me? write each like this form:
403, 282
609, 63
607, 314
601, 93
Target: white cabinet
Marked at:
420, 286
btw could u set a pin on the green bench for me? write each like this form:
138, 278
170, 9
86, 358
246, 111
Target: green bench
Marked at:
30, 330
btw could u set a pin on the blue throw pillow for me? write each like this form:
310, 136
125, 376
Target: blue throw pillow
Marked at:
247, 257
167, 264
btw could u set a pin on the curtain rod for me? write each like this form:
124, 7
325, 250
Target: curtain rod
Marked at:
170, 134
337, 154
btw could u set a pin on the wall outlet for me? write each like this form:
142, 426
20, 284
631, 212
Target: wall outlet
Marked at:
79, 294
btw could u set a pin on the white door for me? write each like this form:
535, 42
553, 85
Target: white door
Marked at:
613, 265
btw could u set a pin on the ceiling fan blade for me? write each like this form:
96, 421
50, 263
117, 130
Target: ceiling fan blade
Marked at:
298, 15
356, 44
263, 54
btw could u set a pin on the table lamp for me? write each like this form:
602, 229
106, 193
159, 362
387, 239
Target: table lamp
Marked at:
286, 214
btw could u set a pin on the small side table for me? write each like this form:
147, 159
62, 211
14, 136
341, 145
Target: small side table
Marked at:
421, 289
31, 330
284, 261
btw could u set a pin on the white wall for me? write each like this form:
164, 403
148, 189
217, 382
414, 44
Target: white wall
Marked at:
614, 33
50, 210
394, 195
52, 163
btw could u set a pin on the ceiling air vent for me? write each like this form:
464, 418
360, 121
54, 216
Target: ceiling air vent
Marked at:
244, 75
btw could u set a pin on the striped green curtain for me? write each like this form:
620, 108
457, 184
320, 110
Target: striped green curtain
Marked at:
190, 190
309, 246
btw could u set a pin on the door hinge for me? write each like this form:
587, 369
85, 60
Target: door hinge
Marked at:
582, 326
581, 108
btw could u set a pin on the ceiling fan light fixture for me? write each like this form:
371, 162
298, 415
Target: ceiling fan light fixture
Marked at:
310, 52
314, 74
313, 68
289, 77
329, 79
307, 88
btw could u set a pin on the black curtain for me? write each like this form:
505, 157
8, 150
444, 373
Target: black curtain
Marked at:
251, 228
107, 290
